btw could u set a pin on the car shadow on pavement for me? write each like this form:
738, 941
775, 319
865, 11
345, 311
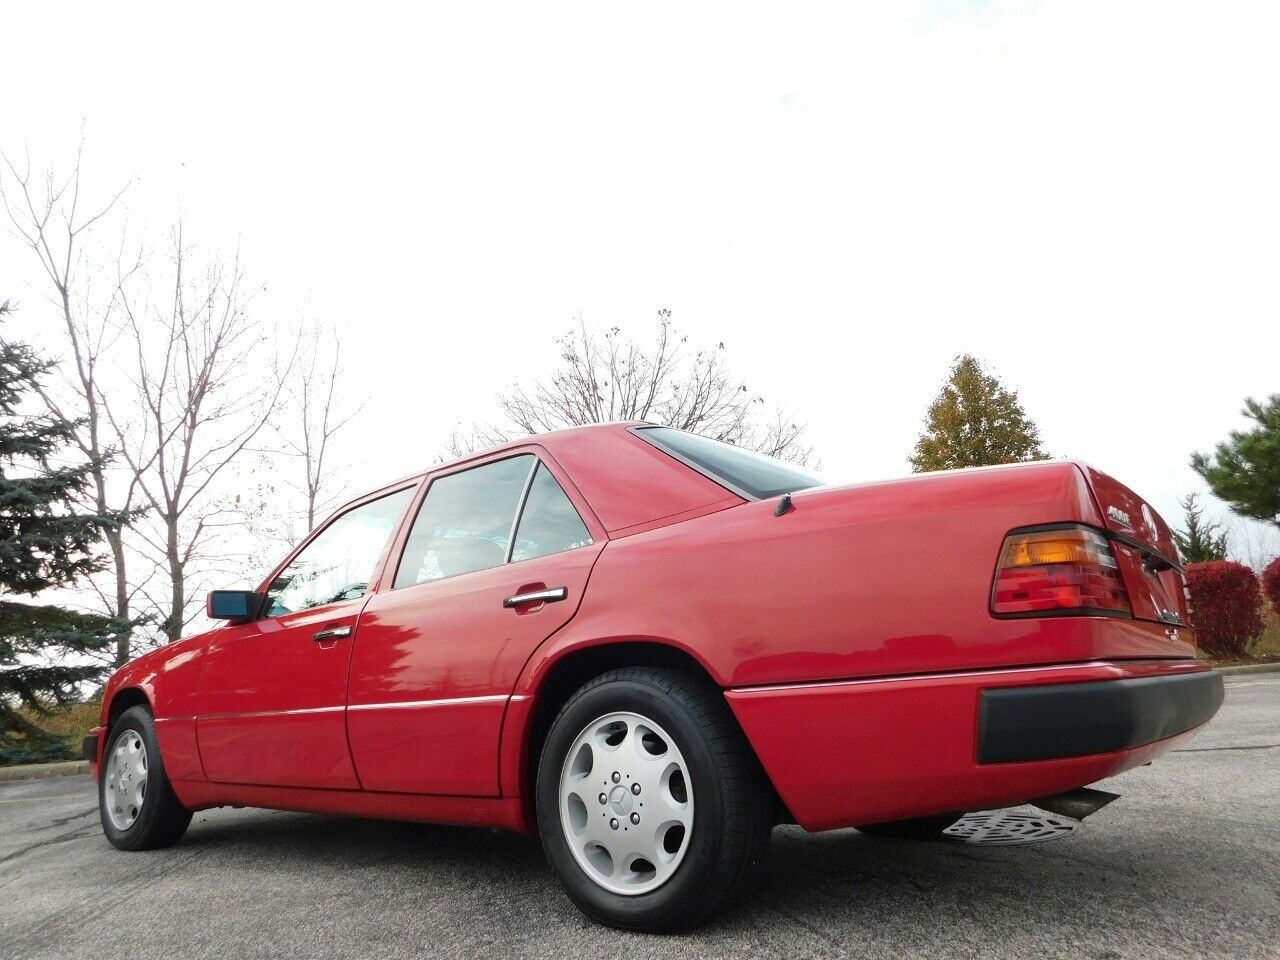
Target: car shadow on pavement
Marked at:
827, 886
337, 841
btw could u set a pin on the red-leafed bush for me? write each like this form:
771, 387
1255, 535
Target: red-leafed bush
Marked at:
1271, 584
1226, 606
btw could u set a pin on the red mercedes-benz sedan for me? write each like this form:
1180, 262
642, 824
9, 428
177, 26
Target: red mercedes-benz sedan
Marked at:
650, 647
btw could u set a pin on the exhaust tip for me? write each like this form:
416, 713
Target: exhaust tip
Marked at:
1076, 804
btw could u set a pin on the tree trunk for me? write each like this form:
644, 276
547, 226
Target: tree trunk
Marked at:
178, 595
115, 541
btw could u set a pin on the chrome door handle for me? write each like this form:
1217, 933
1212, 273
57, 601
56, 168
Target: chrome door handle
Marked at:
333, 633
537, 596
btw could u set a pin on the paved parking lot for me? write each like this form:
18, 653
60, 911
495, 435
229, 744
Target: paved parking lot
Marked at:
1187, 864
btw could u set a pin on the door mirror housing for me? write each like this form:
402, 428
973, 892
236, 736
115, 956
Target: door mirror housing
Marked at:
232, 604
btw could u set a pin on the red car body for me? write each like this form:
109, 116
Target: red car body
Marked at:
852, 634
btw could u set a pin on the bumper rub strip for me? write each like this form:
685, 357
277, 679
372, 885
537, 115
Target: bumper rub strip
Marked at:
1077, 719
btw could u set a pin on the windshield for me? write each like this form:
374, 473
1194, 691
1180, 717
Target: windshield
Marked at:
743, 471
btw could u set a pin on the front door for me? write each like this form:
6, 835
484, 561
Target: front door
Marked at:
273, 691
496, 561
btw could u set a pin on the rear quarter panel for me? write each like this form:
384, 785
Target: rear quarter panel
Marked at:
865, 751
874, 580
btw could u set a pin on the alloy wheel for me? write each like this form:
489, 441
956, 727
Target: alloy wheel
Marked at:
626, 803
125, 779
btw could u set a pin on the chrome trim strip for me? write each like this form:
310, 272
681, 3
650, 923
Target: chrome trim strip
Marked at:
956, 674
392, 705
268, 713
444, 702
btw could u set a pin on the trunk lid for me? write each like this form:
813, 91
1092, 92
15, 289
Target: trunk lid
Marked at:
1145, 550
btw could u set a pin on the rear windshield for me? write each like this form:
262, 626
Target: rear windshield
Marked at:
743, 471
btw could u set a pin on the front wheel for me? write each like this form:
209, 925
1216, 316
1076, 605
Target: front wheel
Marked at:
652, 808
137, 804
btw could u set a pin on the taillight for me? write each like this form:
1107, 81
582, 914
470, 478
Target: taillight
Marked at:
1065, 569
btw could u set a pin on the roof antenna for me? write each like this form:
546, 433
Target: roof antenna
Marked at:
784, 505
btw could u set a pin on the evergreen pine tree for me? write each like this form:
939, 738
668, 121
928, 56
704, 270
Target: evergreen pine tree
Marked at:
1245, 469
975, 422
45, 543
1202, 540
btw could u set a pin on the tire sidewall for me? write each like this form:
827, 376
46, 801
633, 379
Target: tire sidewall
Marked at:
695, 870
139, 720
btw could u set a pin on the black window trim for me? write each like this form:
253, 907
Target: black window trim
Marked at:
524, 501
524, 498
697, 468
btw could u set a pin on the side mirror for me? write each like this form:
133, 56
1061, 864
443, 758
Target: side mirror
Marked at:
232, 604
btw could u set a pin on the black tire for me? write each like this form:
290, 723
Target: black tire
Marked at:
161, 820
917, 828
733, 813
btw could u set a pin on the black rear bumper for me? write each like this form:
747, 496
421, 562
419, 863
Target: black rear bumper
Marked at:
1077, 719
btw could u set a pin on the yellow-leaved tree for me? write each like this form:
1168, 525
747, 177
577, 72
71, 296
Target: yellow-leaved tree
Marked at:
975, 422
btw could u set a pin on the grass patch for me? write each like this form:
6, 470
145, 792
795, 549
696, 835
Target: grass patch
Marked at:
1268, 645
1266, 649
69, 726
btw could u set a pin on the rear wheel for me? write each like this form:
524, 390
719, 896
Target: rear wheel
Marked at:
917, 828
137, 804
652, 809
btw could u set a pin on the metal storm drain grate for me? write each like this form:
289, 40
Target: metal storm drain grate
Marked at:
1003, 827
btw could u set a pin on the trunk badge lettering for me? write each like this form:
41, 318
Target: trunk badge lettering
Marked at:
1119, 516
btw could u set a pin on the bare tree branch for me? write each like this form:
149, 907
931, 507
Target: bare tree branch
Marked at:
200, 402
49, 223
314, 410
605, 377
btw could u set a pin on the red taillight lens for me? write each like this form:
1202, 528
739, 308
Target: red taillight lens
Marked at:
1067, 568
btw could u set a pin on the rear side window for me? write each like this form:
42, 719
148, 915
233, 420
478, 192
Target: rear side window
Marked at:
745, 472
338, 563
465, 522
548, 523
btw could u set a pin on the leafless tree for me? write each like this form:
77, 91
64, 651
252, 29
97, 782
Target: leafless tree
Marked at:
201, 399
45, 214
606, 376
314, 409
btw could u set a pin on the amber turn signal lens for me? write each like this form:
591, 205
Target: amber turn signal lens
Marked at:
1071, 545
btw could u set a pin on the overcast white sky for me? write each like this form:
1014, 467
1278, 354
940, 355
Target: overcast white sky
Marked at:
1084, 195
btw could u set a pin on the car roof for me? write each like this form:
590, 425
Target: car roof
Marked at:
627, 482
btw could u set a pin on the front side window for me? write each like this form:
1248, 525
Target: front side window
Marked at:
742, 471
338, 564
465, 522
548, 523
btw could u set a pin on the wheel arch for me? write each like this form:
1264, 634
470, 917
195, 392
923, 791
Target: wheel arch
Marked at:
122, 700
564, 672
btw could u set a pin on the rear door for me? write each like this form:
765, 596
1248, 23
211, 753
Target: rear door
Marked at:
496, 561
272, 692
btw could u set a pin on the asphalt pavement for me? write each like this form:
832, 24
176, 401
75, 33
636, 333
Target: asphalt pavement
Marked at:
1186, 864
